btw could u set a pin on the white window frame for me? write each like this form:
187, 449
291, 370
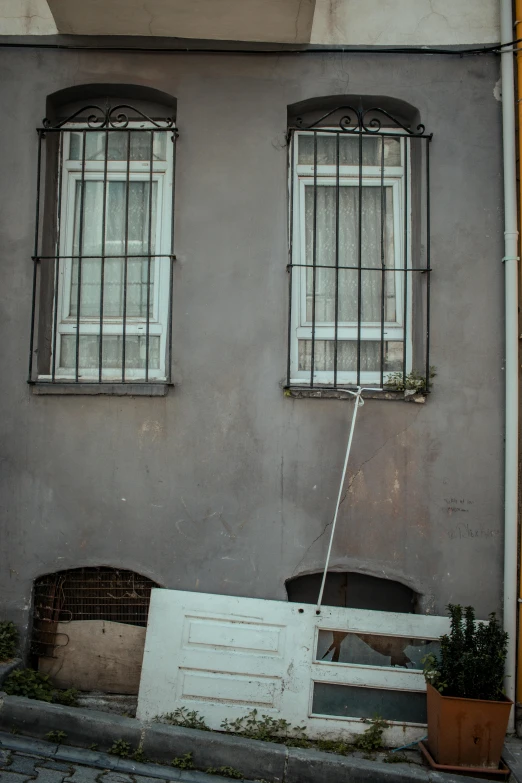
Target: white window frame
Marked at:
302, 176
139, 170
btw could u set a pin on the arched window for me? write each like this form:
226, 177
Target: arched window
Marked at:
104, 238
359, 243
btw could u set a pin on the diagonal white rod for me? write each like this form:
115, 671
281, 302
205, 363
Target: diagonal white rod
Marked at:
359, 402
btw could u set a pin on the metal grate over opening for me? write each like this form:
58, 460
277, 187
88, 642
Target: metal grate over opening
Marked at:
359, 252
87, 594
103, 248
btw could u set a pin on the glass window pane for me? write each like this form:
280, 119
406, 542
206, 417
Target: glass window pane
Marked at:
377, 244
349, 150
75, 146
135, 351
118, 145
347, 355
374, 649
92, 244
352, 701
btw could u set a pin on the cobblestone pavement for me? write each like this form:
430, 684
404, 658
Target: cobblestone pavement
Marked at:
21, 767
18, 768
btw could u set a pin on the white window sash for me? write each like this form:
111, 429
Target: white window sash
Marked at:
301, 329
160, 264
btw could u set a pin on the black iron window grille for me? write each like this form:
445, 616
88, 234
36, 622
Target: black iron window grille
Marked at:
359, 266
104, 248
107, 594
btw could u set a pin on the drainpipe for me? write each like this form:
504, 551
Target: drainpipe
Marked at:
511, 347
518, 34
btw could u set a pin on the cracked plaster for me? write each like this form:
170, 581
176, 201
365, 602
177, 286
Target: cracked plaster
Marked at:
26, 17
405, 22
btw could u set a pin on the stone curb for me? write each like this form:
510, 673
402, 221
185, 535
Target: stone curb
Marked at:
102, 761
254, 759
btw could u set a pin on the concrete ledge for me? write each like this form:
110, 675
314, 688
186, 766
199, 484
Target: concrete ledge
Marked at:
298, 393
7, 667
116, 389
254, 759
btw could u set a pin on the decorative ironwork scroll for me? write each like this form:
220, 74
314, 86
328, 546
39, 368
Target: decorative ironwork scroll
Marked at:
110, 117
361, 120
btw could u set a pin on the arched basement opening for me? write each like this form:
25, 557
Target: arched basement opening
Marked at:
89, 628
359, 591
353, 590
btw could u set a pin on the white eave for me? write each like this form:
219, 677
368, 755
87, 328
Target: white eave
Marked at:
322, 22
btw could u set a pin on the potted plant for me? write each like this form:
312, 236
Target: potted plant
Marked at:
468, 712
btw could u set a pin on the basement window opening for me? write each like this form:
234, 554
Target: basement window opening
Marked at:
84, 594
355, 591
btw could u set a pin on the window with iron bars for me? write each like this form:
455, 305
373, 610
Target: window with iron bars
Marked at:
359, 251
103, 271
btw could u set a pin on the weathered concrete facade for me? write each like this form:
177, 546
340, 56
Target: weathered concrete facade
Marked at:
226, 485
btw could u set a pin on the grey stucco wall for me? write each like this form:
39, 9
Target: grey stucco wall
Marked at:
225, 485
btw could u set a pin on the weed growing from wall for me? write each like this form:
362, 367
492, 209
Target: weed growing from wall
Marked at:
415, 381
8, 641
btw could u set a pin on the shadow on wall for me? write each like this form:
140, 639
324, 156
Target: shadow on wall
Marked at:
355, 591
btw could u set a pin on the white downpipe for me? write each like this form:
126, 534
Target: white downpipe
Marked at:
511, 367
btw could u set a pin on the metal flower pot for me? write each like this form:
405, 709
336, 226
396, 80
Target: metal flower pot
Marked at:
466, 732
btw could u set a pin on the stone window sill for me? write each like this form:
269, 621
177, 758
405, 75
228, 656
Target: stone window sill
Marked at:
153, 389
333, 394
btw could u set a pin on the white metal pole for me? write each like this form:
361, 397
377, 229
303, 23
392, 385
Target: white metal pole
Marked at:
511, 347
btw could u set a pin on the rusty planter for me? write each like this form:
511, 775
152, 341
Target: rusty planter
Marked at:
466, 732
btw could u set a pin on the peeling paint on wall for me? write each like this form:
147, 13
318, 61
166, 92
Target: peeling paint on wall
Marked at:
26, 17
405, 22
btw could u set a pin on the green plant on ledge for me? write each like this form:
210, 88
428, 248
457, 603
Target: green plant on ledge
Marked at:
472, 656
187, 719
267, 729
68, 698
120, 748
56, 736
226, 772
8, 641
28, 683
414, 381
371, 739
183, 762
34, 685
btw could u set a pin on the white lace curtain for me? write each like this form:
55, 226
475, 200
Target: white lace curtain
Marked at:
371, 282
374, 205
92, 245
